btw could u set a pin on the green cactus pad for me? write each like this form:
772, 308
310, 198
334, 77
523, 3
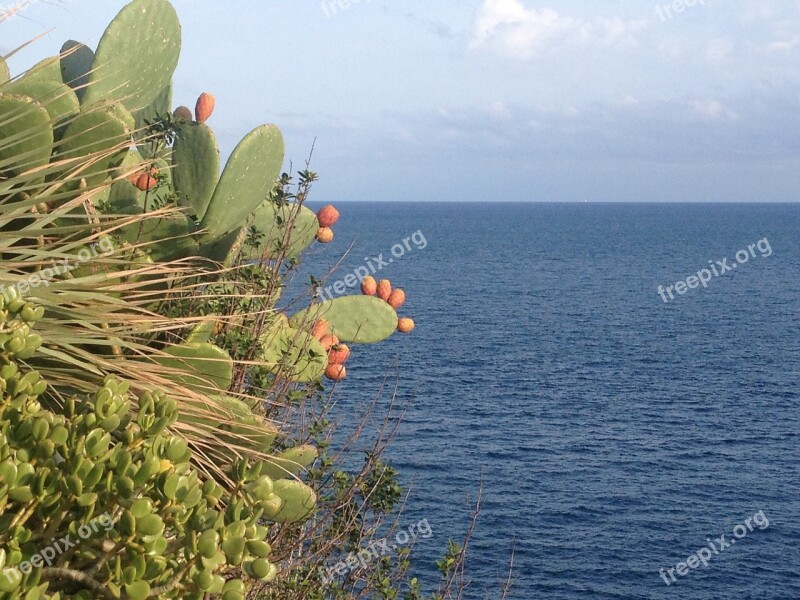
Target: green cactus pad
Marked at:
220, 250
205, 366
299, 501
5, 74
26, 135
164, 238
290, 462
236, 424
58, 99
294, 354
48, 69
98, 130
201, 333
249, 176
137, 55
272, 222
159, 107
358, 319
123, 197
195, 160
76, 63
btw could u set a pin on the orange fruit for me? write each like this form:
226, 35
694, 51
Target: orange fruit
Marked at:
369, 287
146, 182
320, 329
325, 235
397, 298
339, 354
336, 372
204, 107
405, 325
327, 216
384, 289
329, 341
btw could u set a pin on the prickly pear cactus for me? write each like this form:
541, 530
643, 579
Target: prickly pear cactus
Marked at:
5, 75
358, 319
26, 134
249, 176
195, 160
273, 221
137, 55
76, 64
58, 99
204, 367
298, 501
291, 462
294, 354
105, 130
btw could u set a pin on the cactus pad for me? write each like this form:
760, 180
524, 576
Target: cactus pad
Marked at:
294, 354
26, 135
289, 463
249, 176
98, 130
272, 222
358, 319
137, 55
195, 160
205, 366
58, 99
76, 62
5, 74
299, 501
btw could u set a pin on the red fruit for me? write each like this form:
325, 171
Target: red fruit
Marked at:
320, 329
397, 298
405, 325
327, 216
336, 372
183, 112
339, 354
329, 341
325, 235
369, 287
146, 182
384, 289
204, 107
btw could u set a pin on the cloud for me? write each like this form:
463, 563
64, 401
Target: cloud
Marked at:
511, 29
784, 46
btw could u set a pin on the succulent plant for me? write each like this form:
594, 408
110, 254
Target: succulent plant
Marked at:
106, 475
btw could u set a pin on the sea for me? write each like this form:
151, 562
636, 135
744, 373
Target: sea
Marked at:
620, 383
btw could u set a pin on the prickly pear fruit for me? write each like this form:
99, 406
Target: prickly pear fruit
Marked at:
329, 341
146, 182
183, 112
369, 287
397, 298
325, 235
384, 289
320, 329
336, 372
405, 325
327, 216
338, 354
204, 107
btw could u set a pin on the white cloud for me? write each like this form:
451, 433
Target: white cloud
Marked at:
713, 109
718, 50
784, 46
512, 29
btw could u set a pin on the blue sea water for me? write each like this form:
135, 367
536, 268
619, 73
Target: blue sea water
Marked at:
614, 433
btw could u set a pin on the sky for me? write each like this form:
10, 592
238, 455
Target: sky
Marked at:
491, 100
